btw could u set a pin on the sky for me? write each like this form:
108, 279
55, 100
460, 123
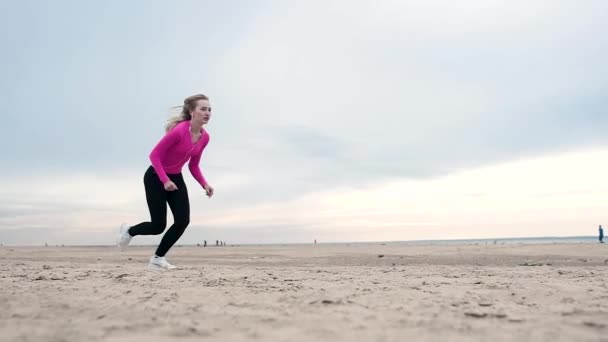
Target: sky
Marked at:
332, 120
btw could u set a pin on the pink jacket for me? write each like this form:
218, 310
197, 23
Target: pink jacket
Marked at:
174, 150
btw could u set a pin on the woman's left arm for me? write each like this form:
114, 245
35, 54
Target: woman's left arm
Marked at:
195, 170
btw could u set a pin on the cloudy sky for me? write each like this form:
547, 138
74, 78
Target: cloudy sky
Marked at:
335, 120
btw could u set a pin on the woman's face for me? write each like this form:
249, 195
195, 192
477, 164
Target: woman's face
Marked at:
201, 112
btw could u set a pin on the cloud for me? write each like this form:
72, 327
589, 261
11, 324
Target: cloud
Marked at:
416, 89
550, 195
309, 99
408, 89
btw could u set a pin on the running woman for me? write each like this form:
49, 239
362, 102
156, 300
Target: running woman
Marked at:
185, 139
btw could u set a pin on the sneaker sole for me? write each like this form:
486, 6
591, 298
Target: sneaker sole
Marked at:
119, 246
157, 268
119, 238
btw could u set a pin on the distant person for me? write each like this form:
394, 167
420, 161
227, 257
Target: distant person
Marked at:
601, 237
217, 243
205, 243
185, 139
315, 242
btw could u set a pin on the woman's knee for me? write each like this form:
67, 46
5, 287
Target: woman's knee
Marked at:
182, 222
158, 227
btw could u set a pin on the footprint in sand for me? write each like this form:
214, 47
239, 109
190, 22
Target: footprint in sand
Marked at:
594, 324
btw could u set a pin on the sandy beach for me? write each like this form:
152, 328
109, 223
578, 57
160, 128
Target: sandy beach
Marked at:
356, 292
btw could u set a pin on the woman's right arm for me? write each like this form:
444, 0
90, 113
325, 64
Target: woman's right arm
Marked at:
162, 149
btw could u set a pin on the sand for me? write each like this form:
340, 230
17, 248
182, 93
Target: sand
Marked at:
357, 292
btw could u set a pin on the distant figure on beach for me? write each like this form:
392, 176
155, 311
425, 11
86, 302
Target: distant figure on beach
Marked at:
205, 243
601, 237
217, 243
315, 242
185, 139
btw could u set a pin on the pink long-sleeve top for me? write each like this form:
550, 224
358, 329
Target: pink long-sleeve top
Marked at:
175, 149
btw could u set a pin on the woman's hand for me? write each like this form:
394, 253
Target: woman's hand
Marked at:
170, 186
208, 190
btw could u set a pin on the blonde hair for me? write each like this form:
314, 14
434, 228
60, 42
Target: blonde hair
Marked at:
185, 114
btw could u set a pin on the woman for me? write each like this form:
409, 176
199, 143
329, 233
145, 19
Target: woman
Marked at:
185, 139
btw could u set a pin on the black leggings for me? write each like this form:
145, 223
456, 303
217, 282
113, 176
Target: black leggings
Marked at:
157, 198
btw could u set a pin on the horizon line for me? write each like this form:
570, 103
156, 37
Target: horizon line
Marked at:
321, 243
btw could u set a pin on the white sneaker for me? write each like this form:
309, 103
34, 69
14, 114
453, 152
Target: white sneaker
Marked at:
160, 264
123, 238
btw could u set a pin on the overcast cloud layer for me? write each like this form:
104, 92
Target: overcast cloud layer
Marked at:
311, 101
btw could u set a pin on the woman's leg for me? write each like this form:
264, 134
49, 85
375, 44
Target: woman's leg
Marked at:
156, 196
180, 207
